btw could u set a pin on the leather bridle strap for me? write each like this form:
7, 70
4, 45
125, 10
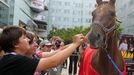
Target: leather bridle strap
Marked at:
106, 30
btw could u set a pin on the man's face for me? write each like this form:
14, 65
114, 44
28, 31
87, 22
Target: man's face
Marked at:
47, 48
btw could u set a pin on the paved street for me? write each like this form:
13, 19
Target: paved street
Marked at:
65, 71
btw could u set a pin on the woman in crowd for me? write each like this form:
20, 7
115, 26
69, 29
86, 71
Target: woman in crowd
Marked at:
58, 44
33, 44
124, 45
33, 47
14, 42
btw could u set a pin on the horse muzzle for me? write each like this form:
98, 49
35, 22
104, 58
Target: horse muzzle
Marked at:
95, 40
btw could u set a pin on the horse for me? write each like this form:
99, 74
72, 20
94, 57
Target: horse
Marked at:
102, 54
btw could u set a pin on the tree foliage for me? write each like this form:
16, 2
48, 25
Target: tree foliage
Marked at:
66, 34
118, 28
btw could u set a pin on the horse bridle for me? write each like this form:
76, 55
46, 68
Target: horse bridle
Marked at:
106, 32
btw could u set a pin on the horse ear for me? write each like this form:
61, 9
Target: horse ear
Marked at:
99, 2
112, 2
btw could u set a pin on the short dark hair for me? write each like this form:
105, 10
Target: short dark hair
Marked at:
10, 37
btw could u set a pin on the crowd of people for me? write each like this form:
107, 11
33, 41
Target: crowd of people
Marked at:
22, 55
126, 44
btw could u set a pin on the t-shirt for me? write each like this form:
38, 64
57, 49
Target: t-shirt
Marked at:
36, 56
123, 46
86, 67
17, 65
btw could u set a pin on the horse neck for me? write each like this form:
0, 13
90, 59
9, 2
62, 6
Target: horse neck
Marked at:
111, 49
112, 45
115, 55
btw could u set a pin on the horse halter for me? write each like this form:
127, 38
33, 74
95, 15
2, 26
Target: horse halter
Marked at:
106, 31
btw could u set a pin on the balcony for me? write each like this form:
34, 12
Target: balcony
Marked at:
38, 5
41, 28
41, 22
31, 25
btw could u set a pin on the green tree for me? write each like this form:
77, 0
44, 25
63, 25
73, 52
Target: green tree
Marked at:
66, 34
118, 27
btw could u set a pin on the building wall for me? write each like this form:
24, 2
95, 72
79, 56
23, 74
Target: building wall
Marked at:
125, 13
22, 12
4, 13
69, 13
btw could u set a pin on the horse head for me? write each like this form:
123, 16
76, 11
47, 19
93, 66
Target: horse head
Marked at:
103, 23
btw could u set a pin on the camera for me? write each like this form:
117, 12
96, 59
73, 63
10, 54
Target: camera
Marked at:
58, 43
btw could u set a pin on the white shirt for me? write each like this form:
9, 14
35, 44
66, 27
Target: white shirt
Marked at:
123, 46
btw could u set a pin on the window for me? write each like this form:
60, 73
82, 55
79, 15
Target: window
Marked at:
59, 18
59, 3
74, 12
67, 3
66, 11
79, 12
11, 15
66, 19
10, 23
40, 26
81, 20
75, 20
6, 1
87, 20
78, 5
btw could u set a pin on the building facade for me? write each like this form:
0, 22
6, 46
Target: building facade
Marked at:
30, 14
69, 13
4, 13
125, 13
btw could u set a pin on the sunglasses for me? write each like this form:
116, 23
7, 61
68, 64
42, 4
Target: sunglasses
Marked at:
48, 46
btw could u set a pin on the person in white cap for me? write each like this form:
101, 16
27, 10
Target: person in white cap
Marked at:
45, 46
